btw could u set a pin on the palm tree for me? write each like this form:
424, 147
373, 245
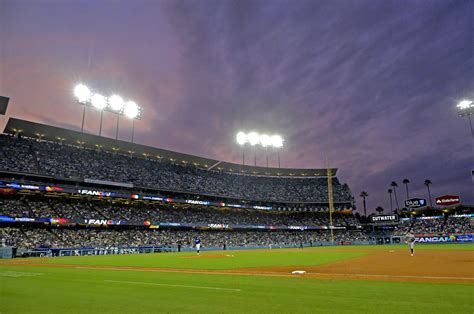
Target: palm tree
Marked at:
379, 209
428, 183
394, 185
364, 194
390, 191
406, 181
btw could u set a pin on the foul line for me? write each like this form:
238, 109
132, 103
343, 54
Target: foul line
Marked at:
392, 276
170, 285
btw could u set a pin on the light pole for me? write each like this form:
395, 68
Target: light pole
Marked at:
83, 96
114, 104
254, 139
266, 155
132, 111
241, 140
117, 127
101, 118
133, 129
277, 142
99, 102
265, 141
83, 117
466, 109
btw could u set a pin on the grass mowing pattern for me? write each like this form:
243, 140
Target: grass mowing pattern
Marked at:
80, 290
69, 290
239, 259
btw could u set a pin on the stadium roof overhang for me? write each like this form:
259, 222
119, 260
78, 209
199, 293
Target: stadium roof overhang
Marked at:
56, 134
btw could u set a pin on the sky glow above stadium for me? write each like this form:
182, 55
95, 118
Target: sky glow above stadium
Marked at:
371, 85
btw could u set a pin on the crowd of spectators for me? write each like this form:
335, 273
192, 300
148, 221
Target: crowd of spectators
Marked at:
68, 161
84, 209
30, 238
47, 208
444, 225
107, 238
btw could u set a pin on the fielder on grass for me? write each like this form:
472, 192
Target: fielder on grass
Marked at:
197, 242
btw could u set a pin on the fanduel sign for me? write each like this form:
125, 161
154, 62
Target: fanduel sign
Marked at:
445, 238
384, 218
103, 222
415, 203
218, 226
447, 200
96, 193
195, 202
296, 227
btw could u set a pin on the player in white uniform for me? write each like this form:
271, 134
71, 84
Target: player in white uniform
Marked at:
410, 239
197, 241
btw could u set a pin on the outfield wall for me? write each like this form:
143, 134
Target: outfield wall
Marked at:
152, 249
426, 238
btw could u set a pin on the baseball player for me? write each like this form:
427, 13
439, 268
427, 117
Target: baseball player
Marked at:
410, 239
197, 242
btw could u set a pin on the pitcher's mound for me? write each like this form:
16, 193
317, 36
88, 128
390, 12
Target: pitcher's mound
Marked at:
298, 272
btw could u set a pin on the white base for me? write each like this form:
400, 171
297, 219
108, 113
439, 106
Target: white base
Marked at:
298, 272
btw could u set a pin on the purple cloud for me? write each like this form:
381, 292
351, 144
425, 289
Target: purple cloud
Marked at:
370, 85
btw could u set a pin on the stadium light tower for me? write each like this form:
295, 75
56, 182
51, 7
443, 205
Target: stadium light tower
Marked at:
466, 109
277, 142
83, 96
132, 110
114, 104
99, 102
242, 140
264, 140
254, 138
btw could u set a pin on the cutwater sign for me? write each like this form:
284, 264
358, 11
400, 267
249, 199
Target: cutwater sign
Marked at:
384, 218
415, 203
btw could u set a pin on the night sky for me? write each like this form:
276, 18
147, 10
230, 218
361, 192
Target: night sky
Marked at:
370, 85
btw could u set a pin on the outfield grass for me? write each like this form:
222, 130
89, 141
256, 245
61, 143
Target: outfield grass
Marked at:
236, 259
62, 290
244, 258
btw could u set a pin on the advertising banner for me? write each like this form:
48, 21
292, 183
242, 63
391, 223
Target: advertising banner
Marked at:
415, 203
191, 202
24, 219
108, 222
19, 186
384, 218
6, 219
444, 238
218, 226
59, 221
448, 200
95, 192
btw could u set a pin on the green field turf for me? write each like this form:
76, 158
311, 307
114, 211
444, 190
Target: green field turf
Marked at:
239, 259
64, 290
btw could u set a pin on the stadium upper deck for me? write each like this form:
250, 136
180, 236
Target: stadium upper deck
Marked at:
78, 156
